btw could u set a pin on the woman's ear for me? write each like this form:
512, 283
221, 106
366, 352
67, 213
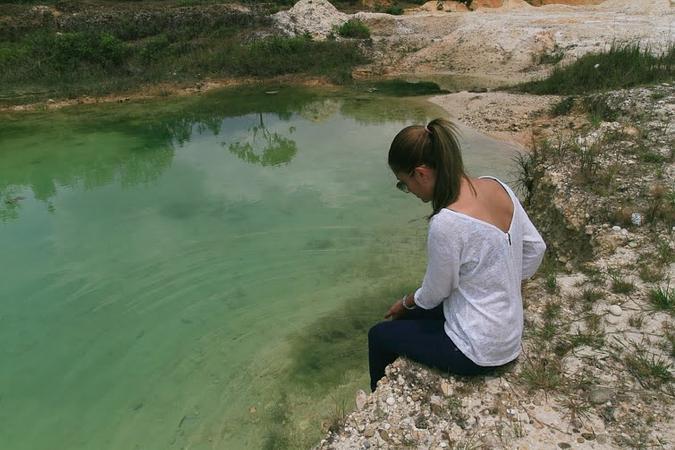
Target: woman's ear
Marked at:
424, 172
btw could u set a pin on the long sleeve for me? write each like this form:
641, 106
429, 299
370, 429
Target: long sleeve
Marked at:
444, 247
533, 247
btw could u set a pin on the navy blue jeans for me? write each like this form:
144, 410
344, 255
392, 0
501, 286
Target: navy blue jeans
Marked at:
418, 335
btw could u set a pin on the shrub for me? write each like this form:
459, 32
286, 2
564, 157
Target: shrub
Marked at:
103, 49
280, 55
354, 28
154, 47
404, 88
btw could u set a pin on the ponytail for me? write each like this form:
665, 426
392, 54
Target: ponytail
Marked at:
435, 145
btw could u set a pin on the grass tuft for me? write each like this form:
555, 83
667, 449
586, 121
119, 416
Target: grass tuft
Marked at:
651, 371
663, 299
621, 285
622, 66
542, 373
589, 296
563, 107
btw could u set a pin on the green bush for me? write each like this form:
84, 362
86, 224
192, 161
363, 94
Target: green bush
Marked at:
354, 28
280, 55
394, 10
402, 88
68, 50
154, 47
622, 66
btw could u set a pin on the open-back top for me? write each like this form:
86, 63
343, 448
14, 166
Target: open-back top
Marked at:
475, 269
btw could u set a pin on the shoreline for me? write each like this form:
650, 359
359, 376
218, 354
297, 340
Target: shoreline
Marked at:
167, 90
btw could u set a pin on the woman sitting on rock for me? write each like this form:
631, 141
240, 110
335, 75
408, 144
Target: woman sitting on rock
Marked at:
467, 317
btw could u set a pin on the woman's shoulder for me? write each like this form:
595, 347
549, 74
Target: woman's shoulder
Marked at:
448, 222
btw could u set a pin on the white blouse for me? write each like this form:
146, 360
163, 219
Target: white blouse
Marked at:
475, 270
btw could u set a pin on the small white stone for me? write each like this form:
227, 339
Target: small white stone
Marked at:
361, 399
612, 320
616, 228
446, 388
391, 401
615, 310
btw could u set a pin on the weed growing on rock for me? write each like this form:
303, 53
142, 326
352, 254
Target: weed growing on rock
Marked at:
589, 296
542, 373
669, 334
563, 107
552, 57
336, 419
456, 411
665, 254
576, 408
621, 285
663, 298
598, 109
651, 371
595, 275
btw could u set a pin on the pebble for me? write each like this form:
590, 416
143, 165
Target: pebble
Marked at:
602, 439
391, 401
588, 436
564, 445
615, 310
446, 389
612, 320
616, 228
361, 399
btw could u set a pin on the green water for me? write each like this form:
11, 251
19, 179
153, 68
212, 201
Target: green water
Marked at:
200, 273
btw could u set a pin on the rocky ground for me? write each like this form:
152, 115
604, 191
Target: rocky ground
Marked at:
596, 369
513, 42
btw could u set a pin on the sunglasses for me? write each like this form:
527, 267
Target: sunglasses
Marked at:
401, 186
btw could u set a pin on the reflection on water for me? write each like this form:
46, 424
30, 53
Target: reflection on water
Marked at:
264, 147
200, 272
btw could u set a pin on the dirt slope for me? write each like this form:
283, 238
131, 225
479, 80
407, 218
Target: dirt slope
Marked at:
508, 42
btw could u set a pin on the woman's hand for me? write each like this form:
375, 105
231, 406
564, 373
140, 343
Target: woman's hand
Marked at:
396, 311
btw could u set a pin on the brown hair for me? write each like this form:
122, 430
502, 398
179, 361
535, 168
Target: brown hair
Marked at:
435, 146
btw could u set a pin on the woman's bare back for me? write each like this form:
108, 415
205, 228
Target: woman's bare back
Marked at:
491, 203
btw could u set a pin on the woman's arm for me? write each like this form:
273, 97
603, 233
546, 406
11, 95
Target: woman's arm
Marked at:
444, 247
533, 248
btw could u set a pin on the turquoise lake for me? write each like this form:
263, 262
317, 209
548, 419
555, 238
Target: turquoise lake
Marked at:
201, 273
